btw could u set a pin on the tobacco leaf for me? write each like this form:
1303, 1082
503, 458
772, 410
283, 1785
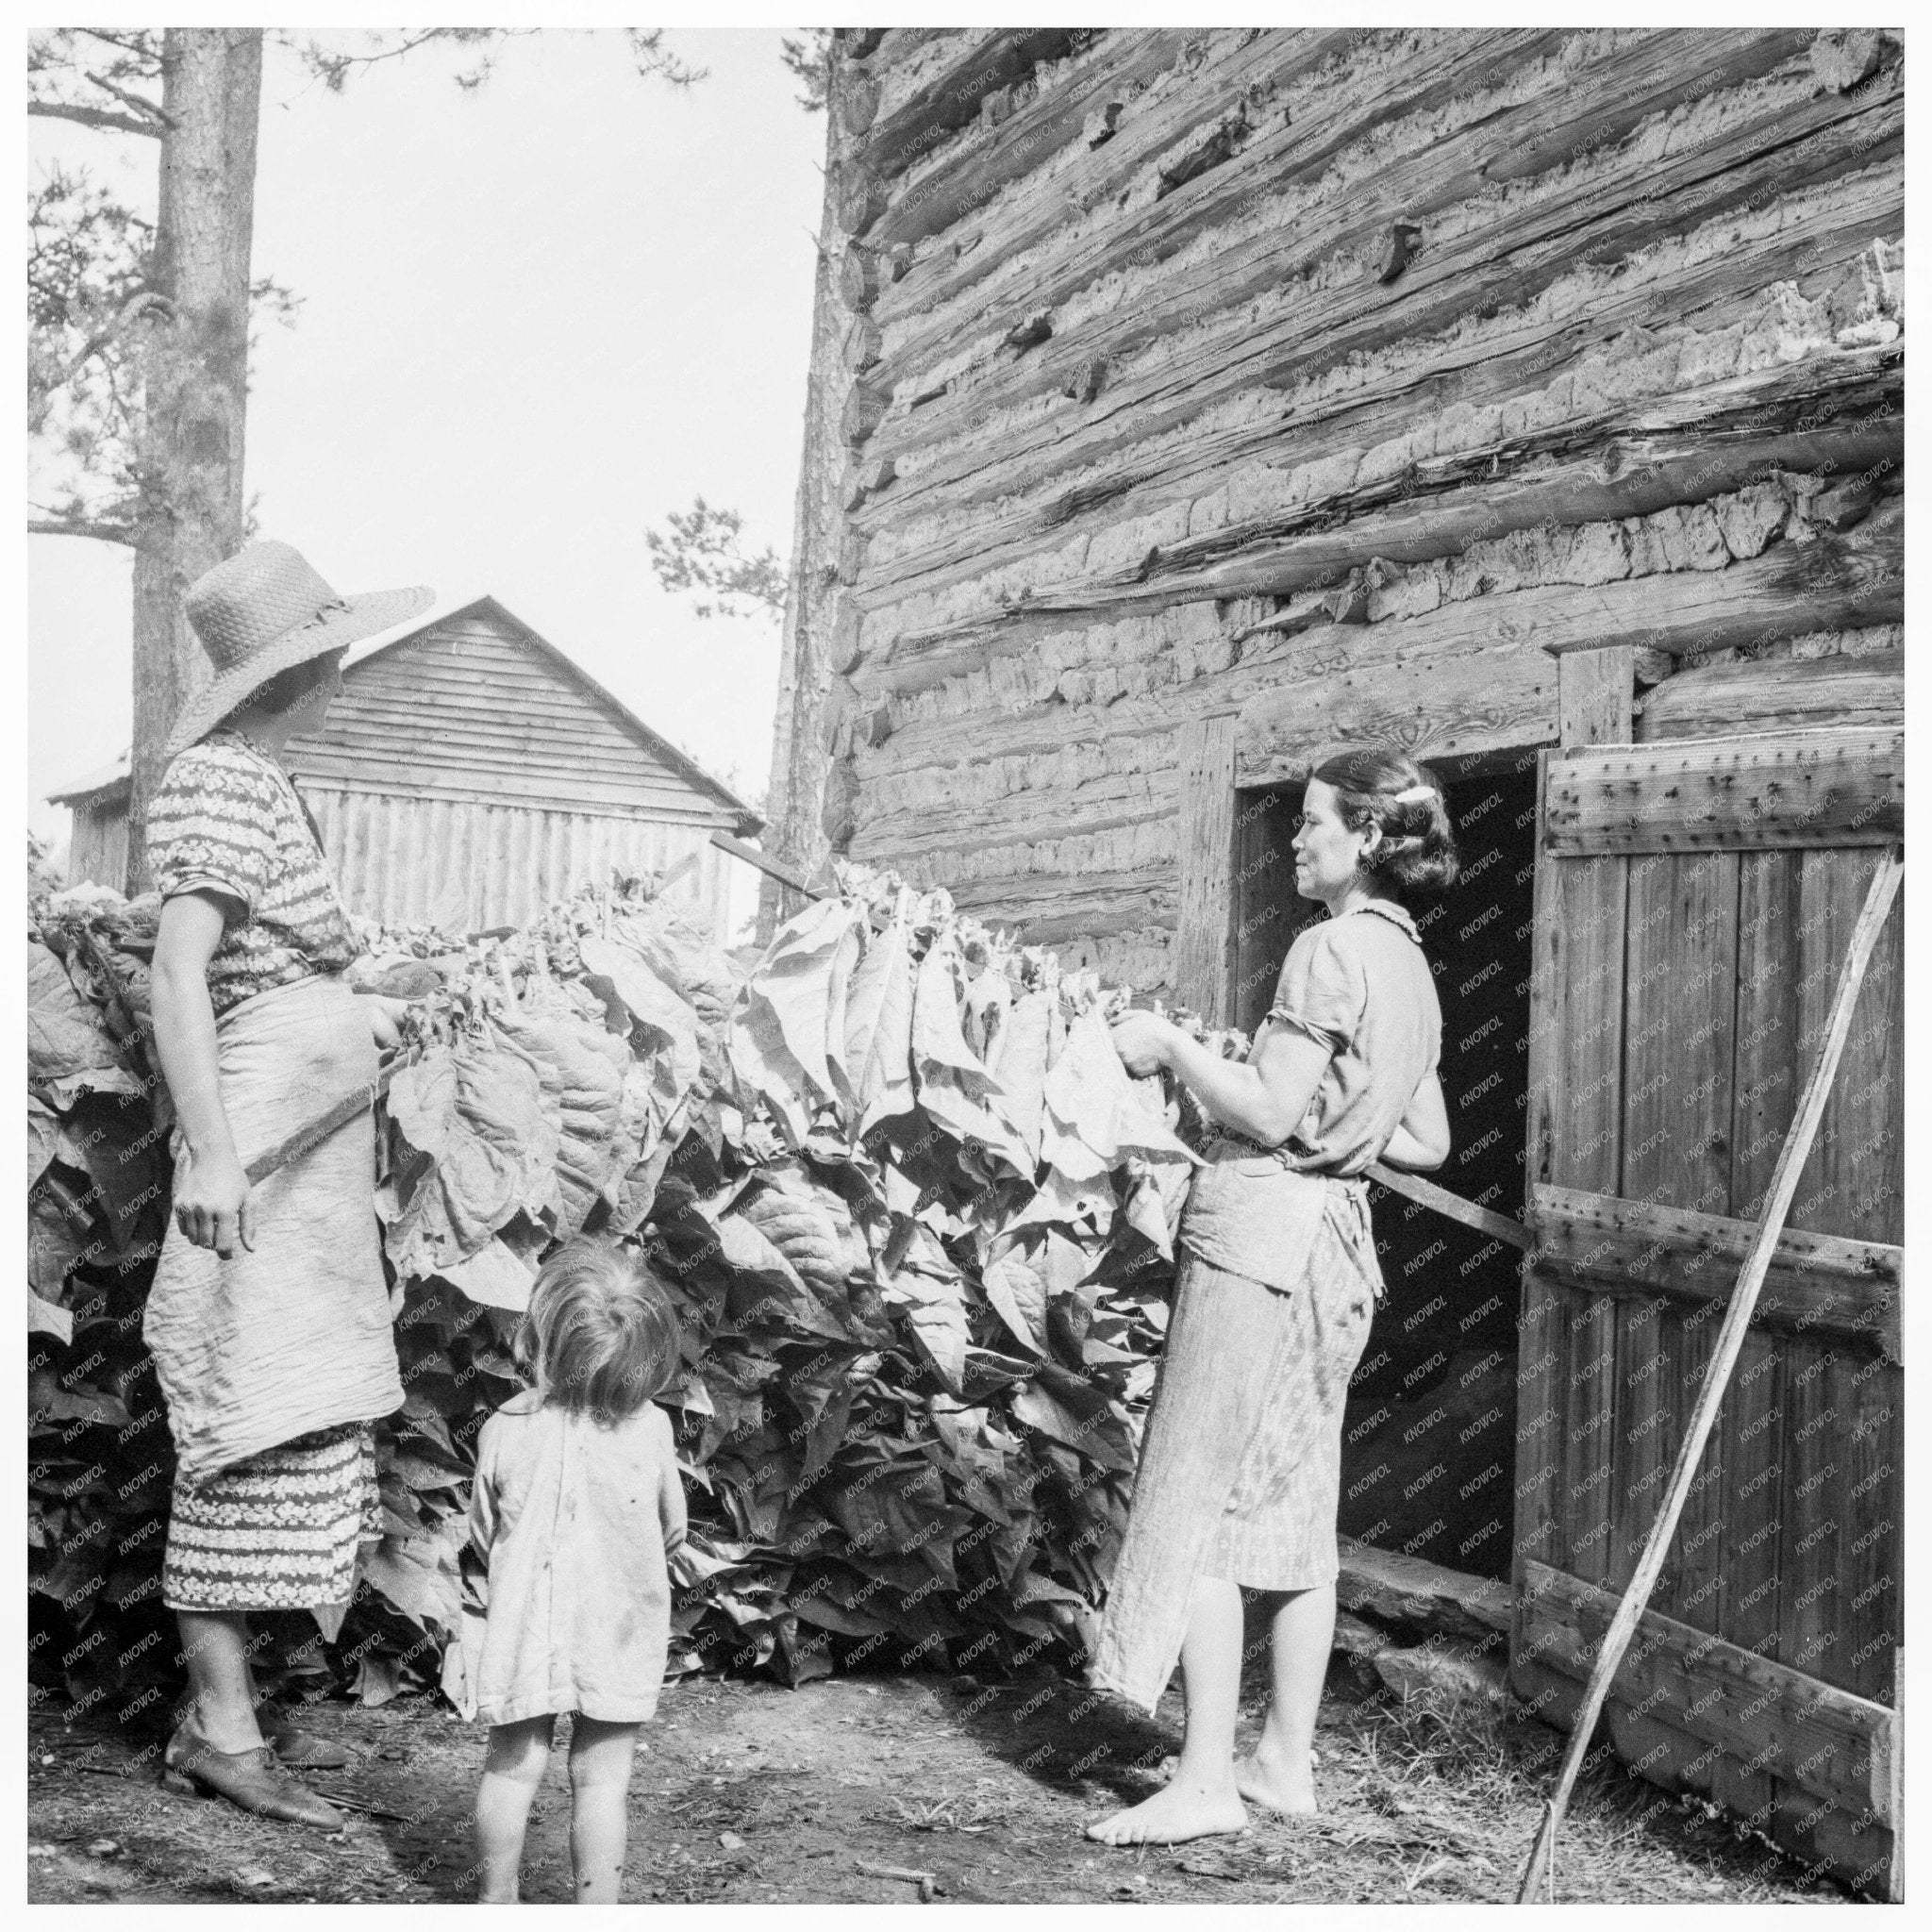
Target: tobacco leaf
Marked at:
877, 1045
66, 1037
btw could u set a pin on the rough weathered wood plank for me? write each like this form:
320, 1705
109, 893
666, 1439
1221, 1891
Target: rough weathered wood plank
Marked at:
1748, 1599
1680, 996
1204, 943
1689, 1583
1798, 789
1590, 1434
1271, 912
1819, 1738
1407, 1589
1812, 1537
1781, 694
1539, 1347
1433, 707
1846, 1289
1593, 700
1853, 1182
1873, 1395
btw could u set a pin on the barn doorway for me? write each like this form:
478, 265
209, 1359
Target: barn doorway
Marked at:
1428, 1446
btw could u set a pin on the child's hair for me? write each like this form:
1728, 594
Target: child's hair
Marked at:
600, 1335
1377, 785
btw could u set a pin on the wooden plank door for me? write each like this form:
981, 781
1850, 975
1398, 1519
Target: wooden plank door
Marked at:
1694, 900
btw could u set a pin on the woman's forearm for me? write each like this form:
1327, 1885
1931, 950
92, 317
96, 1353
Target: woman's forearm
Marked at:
185, 1044
1233, 1092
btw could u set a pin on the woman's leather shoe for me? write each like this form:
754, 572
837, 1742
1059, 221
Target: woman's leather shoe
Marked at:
294, 1746
256, 1780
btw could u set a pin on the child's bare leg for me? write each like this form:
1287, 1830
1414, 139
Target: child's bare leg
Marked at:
600, 1759
1200, 1798
1280, 1772
511, 1773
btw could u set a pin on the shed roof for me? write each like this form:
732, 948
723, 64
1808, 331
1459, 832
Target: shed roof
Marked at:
108, 784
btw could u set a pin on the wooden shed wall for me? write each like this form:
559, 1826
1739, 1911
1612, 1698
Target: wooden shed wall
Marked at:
97, 846
1322, 377
468, 711
468, 865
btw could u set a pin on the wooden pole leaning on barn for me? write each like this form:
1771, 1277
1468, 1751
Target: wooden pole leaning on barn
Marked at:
1730, 1341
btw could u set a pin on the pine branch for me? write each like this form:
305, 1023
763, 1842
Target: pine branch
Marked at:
81, 526
147, 303
99, 118
137, 104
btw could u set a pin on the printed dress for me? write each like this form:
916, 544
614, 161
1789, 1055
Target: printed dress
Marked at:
273, 1363
1241, 1464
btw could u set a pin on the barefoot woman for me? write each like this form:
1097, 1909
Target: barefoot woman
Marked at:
1240, 1472
269, 1319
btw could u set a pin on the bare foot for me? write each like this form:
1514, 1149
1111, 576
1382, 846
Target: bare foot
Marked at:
1178, 1812
1268, 1780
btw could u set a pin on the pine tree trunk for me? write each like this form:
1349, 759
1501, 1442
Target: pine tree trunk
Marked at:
795, 796
195, 378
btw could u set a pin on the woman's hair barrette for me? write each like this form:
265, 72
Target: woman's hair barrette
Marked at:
1415, 794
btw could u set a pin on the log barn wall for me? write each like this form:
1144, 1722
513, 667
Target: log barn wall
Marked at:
1330, 381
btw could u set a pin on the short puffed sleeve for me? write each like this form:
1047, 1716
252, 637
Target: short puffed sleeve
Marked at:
213, 825
1322, 989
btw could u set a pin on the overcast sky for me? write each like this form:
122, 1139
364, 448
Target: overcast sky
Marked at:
534, 320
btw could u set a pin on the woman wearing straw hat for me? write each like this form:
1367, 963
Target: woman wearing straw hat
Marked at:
269, 1319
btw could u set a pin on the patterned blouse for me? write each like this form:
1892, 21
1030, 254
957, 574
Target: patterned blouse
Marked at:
227, 820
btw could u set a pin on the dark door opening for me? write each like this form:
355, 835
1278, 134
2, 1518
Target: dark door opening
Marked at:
1428, 1446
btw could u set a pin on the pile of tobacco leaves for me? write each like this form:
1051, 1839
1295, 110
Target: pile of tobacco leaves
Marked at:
917, 1217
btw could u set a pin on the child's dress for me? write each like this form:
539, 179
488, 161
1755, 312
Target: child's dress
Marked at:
574, 1522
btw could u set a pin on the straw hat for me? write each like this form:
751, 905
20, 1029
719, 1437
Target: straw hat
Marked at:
263, 611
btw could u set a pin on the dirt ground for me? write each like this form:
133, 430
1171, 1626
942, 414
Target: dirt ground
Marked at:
753, 1792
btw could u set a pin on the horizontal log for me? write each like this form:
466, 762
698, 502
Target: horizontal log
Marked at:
1459, 705
1048, 909
1841, 413
1776, 694
858, 197
1169, 96
861, 275
1825, 1740
950, 99
859, 103
860, 349
865, 405
963, 825
976, 174
1512, 378
1286, 322
1407, 1589
1845, 582
1731, 795
1823, 1283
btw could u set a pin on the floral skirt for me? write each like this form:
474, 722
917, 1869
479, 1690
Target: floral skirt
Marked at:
278, 1531
1241, 1461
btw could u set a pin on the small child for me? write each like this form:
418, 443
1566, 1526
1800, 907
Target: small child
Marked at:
575, 1508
